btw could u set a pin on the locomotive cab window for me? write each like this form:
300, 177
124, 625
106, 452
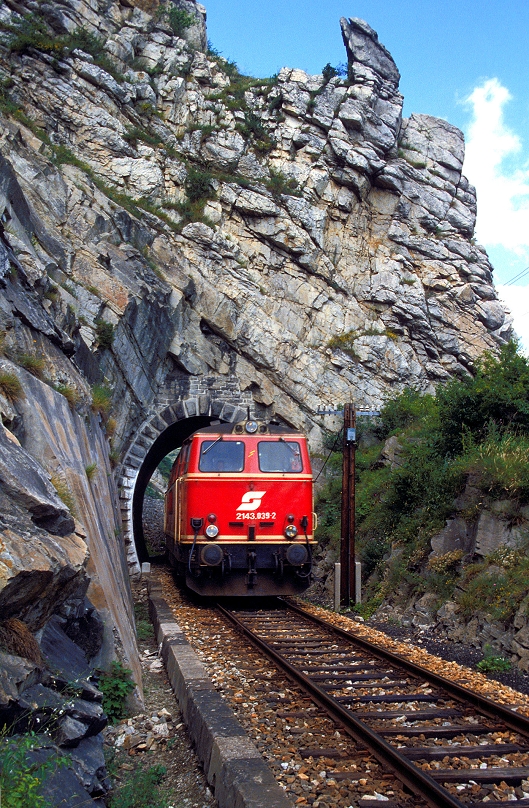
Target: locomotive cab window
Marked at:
279, 456
219, 455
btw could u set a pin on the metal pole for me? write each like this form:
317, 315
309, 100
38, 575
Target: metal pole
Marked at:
337, 586
352, 512
347, 550
358, 582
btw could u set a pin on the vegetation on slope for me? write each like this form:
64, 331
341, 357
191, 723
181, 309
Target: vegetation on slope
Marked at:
473, 436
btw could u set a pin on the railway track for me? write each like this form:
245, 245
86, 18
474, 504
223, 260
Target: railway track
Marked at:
451, 747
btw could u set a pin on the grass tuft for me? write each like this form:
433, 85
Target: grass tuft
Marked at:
101, 399
10, 386
91, 471
70, 393
33, 364
64, 492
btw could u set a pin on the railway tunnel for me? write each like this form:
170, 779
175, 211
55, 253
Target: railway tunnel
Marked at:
172, 438
159, 435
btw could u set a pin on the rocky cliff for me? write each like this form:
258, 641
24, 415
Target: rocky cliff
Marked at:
179, 242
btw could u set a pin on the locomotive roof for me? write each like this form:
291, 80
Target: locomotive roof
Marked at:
228, 429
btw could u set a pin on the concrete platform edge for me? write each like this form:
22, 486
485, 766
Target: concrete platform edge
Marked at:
234, 768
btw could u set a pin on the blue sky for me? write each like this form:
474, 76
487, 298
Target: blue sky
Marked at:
463, 60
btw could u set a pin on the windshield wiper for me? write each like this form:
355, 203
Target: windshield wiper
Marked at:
292, 449
211, 445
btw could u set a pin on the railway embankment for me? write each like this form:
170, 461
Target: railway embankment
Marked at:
442, 507
313, 759
233, 765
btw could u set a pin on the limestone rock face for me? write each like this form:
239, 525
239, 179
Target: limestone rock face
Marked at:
335, 253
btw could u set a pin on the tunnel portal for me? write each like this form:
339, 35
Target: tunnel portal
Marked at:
171, 438
160, 434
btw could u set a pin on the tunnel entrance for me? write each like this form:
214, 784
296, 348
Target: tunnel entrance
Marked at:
164, 430
170, 439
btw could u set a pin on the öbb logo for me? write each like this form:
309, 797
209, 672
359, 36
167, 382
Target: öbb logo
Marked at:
251, 500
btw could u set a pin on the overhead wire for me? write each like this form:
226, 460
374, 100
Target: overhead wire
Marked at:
340, 433
517, 277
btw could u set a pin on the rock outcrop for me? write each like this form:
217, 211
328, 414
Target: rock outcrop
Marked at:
333, 257
179, 241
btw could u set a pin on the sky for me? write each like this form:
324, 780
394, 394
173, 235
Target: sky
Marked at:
466, 61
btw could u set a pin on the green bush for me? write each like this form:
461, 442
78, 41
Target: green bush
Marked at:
32, 32
278, 184
104, 333
116, 684
497, 395
228, 66
329, 510
475, 427
254, 129
497, 592
141, 790
7, 105
114, 457
180, 20
21, 779
133, 134
198, 185
329, 72
152, 492
64, 492
499, 465
81, 39
493, 663
165, 466
403, 410
144, 627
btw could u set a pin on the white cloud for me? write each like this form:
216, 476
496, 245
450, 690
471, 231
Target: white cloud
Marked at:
503, 193
496, 165
517, 300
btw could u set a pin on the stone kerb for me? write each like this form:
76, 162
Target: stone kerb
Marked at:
150, 430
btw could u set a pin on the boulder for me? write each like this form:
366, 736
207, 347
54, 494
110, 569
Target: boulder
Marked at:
16, 675
28, 485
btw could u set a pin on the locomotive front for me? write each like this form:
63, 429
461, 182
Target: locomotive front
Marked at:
239, 511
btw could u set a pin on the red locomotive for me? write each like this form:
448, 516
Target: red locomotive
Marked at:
239, 511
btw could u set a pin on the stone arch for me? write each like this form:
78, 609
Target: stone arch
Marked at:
159, 435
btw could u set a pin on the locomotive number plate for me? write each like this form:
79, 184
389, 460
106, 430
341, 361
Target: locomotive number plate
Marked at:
260, 515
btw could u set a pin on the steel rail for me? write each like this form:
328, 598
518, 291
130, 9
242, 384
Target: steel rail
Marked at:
416, 779
515, 721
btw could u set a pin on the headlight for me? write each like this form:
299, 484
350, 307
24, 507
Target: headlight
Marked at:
291, 531
212, 531
251, 427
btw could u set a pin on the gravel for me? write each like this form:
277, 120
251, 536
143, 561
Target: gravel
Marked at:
185, 778
157, 736
458, 652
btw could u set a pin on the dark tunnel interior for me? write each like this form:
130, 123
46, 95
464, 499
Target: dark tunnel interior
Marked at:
170, 439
